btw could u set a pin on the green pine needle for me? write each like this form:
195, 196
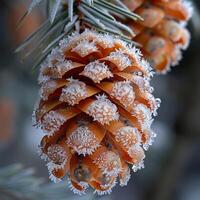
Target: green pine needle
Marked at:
19, 183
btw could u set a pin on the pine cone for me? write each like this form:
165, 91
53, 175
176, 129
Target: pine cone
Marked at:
96, 108
162, 34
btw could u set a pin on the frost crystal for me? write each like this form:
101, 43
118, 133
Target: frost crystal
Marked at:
121, 60
134, 52
124, 180
52, 166
142, 83
42, 78
36, 107
153, 102
74, 92
138, 166
57, 154
83, 185
109, 163
123, 92
83, 141
188, 5
85, 48
176, 57
97, 71
150, 140
47, 89
141, 112
58, 158
52, 122
146, 66
55, 56
136, 152
50, 64
42, 155
128, 136
106, 191
103, 110
60, 68
136, 56
105, 41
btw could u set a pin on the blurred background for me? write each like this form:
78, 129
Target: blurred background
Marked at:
172, 165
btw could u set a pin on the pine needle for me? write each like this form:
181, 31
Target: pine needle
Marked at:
89, 15
54, 10
71, 9
19, 183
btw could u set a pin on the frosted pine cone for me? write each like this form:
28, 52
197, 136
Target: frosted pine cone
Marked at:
163, 33
96, 109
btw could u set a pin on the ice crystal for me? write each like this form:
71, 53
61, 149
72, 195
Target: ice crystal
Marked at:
42, 78
128, 136
176, 56
188, 5
150, 140
103, 110
42, 155
52, 121
73, 92
55, 56
136, 57
121, 60
142, 112
47, 89
60, 68
57, 154
109, 163
105, 41
146, 66
52, 166
123, 92
106, 191
142, 83
126, 178
136, 152
83, 185
55, 66
138, 166
85, 48
154, 103
135, 52
35, 109
97, 71
83, 141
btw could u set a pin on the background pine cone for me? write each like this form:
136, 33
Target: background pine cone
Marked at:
96, 108
162, 34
